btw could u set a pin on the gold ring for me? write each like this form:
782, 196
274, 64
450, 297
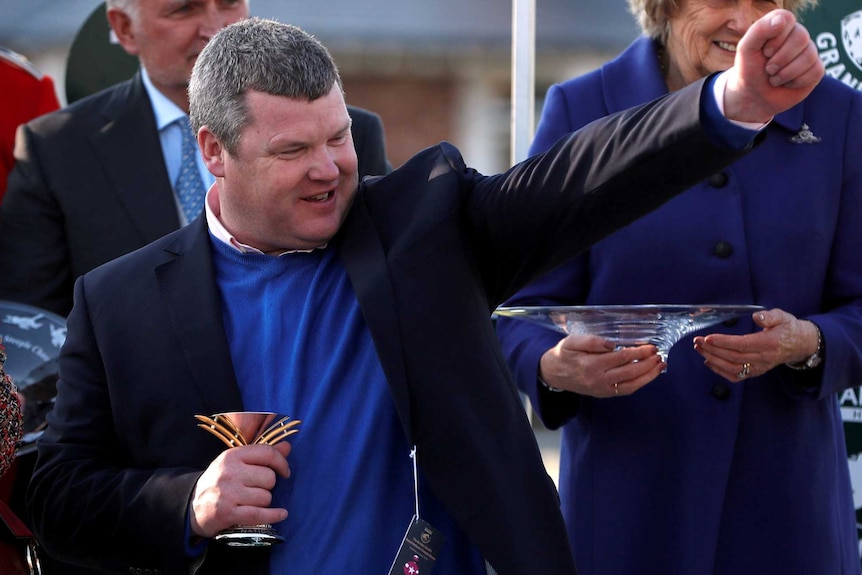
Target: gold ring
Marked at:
746, 369
617, 388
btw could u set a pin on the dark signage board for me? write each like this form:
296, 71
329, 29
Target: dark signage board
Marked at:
32, 338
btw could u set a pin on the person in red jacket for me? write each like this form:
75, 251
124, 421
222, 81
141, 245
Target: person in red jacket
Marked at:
26, 93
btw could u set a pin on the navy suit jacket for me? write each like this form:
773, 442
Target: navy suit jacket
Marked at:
90, 184
431, 249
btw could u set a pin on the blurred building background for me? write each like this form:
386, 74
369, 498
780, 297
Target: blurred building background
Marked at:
433, 69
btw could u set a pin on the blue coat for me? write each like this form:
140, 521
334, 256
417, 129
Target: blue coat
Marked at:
693, 475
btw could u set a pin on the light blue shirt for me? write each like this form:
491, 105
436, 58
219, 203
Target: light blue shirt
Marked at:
167, 113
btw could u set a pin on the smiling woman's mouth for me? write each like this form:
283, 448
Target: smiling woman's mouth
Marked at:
726, 46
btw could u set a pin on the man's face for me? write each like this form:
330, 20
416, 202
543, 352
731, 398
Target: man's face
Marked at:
293, 176
168, 35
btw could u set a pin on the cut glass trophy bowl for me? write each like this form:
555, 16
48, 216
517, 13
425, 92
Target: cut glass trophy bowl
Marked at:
630, 325
246, 428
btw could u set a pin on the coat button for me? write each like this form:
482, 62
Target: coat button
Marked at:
723, 249
718, 180
720, 391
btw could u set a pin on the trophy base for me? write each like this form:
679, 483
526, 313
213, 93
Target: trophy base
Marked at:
249, 536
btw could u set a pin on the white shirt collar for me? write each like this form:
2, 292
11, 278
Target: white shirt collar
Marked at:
219, 232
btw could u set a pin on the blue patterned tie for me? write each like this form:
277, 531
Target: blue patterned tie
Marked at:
189, 187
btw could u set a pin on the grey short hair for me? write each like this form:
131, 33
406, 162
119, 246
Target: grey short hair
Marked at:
654, 15
130, 7
261, 55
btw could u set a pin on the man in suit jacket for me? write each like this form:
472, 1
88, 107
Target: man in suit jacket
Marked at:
362, 309
91, 181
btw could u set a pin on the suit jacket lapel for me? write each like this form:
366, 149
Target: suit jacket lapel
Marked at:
187, 281
129, 147
363, 257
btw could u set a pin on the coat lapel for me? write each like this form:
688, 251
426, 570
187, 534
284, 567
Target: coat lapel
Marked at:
639, 60
188, 285
364, 259
131, 153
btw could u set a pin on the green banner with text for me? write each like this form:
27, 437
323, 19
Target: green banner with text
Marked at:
836, 28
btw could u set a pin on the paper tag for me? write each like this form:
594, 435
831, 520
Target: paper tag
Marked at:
419, 550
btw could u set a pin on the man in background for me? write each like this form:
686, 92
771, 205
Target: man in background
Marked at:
119, 169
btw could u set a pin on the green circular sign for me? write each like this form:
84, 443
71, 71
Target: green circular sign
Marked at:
836, 28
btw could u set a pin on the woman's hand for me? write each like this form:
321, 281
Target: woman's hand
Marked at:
589, 365
784, 339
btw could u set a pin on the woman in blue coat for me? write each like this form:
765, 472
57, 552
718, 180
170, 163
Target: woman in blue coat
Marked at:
733, 461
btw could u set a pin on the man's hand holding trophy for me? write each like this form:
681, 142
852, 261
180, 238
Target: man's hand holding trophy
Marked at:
238, 483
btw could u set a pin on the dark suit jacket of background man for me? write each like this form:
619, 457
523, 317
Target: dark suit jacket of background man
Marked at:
90, 184
431, 250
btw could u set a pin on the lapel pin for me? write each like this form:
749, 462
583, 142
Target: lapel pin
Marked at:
805, 136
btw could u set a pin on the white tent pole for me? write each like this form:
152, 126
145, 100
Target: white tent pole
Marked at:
523, 89
523, 76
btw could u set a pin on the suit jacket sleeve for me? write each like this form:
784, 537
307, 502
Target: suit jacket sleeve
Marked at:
588, 185
36, 267
139, 509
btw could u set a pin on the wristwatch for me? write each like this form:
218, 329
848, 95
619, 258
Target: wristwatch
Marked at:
815, 359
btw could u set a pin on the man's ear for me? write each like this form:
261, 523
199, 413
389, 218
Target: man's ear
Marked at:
212, 152
121, 24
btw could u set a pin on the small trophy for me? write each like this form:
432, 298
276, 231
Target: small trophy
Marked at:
249, 428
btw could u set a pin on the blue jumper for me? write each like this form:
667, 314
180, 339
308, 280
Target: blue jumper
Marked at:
300, 347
